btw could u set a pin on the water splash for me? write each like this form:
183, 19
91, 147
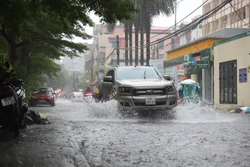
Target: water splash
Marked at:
201, 113
103, 109
188, 113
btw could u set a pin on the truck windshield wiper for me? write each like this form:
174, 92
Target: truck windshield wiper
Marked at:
158, 74
145, 73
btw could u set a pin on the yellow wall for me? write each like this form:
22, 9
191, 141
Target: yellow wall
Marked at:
238, 49
192, 48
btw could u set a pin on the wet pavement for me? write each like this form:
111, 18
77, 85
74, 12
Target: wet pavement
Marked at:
95, 135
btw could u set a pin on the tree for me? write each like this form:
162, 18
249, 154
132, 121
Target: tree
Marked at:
142, 20
37, 32
61, 80
153, 8
126, 30
15, 26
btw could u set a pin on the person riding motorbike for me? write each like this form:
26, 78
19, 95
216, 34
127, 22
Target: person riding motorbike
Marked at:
188, 91
88, 91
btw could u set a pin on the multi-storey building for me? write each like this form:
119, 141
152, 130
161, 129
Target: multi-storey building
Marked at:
235, 16
175, 68
81, 63
196, 33
106, 44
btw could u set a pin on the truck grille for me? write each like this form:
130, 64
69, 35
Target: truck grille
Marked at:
154, 91
143, 104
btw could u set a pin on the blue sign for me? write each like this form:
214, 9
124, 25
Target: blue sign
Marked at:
243, 75
114, 41
193, 61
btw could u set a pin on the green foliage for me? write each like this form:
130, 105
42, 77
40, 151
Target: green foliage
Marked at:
3, 58
16, 15
142, 20
35, 33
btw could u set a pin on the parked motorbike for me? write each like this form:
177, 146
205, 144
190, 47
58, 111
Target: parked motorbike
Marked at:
10, 108
21, 101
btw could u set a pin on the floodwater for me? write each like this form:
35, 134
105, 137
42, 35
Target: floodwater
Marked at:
96, 135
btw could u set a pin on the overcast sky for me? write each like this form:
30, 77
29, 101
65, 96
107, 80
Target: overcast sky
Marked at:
185, 7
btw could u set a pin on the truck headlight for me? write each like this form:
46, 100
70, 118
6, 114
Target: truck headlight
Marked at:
125, 89
170, 88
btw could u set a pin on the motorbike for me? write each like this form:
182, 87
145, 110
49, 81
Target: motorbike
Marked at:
188, 91
89, 96
23, 106
11, 96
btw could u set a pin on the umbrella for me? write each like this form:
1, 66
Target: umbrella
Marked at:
188, 82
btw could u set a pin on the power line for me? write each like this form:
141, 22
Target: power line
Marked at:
180, 20
196, 22
110, 54
164, 31
189, 26
226, 8
239, 15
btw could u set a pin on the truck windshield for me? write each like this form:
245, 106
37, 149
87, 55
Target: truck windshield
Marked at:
137, 73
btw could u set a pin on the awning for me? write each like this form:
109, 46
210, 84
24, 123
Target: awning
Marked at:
173, 62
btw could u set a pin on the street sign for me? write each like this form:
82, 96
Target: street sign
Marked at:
202, 63
243, 75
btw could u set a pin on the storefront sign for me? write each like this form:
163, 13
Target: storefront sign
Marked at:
206, 57
180, 68
205, 54
243, 75
187, 58
202, 64
195, 59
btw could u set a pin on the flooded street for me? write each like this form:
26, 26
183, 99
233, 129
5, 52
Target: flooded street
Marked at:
94, 134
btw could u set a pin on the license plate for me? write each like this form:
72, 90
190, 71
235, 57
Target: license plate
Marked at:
42, 100
8, 101
150, 101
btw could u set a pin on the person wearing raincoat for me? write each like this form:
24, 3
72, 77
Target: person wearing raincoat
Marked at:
188, 91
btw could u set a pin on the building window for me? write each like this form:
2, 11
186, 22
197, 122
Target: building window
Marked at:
244, 13
160, 43
228, 82
224, 21
161, 56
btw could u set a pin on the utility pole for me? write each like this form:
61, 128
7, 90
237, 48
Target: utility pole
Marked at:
118, 49
175, 21
175, 15
92, 67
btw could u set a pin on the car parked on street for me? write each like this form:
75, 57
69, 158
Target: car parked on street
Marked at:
43, 96
138, 88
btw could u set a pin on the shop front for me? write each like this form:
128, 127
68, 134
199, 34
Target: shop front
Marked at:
197, 64
175, 69
232, 72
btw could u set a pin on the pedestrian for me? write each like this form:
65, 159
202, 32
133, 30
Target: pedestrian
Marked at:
184, 78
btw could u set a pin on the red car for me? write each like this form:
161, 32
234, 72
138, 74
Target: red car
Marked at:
42, 96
